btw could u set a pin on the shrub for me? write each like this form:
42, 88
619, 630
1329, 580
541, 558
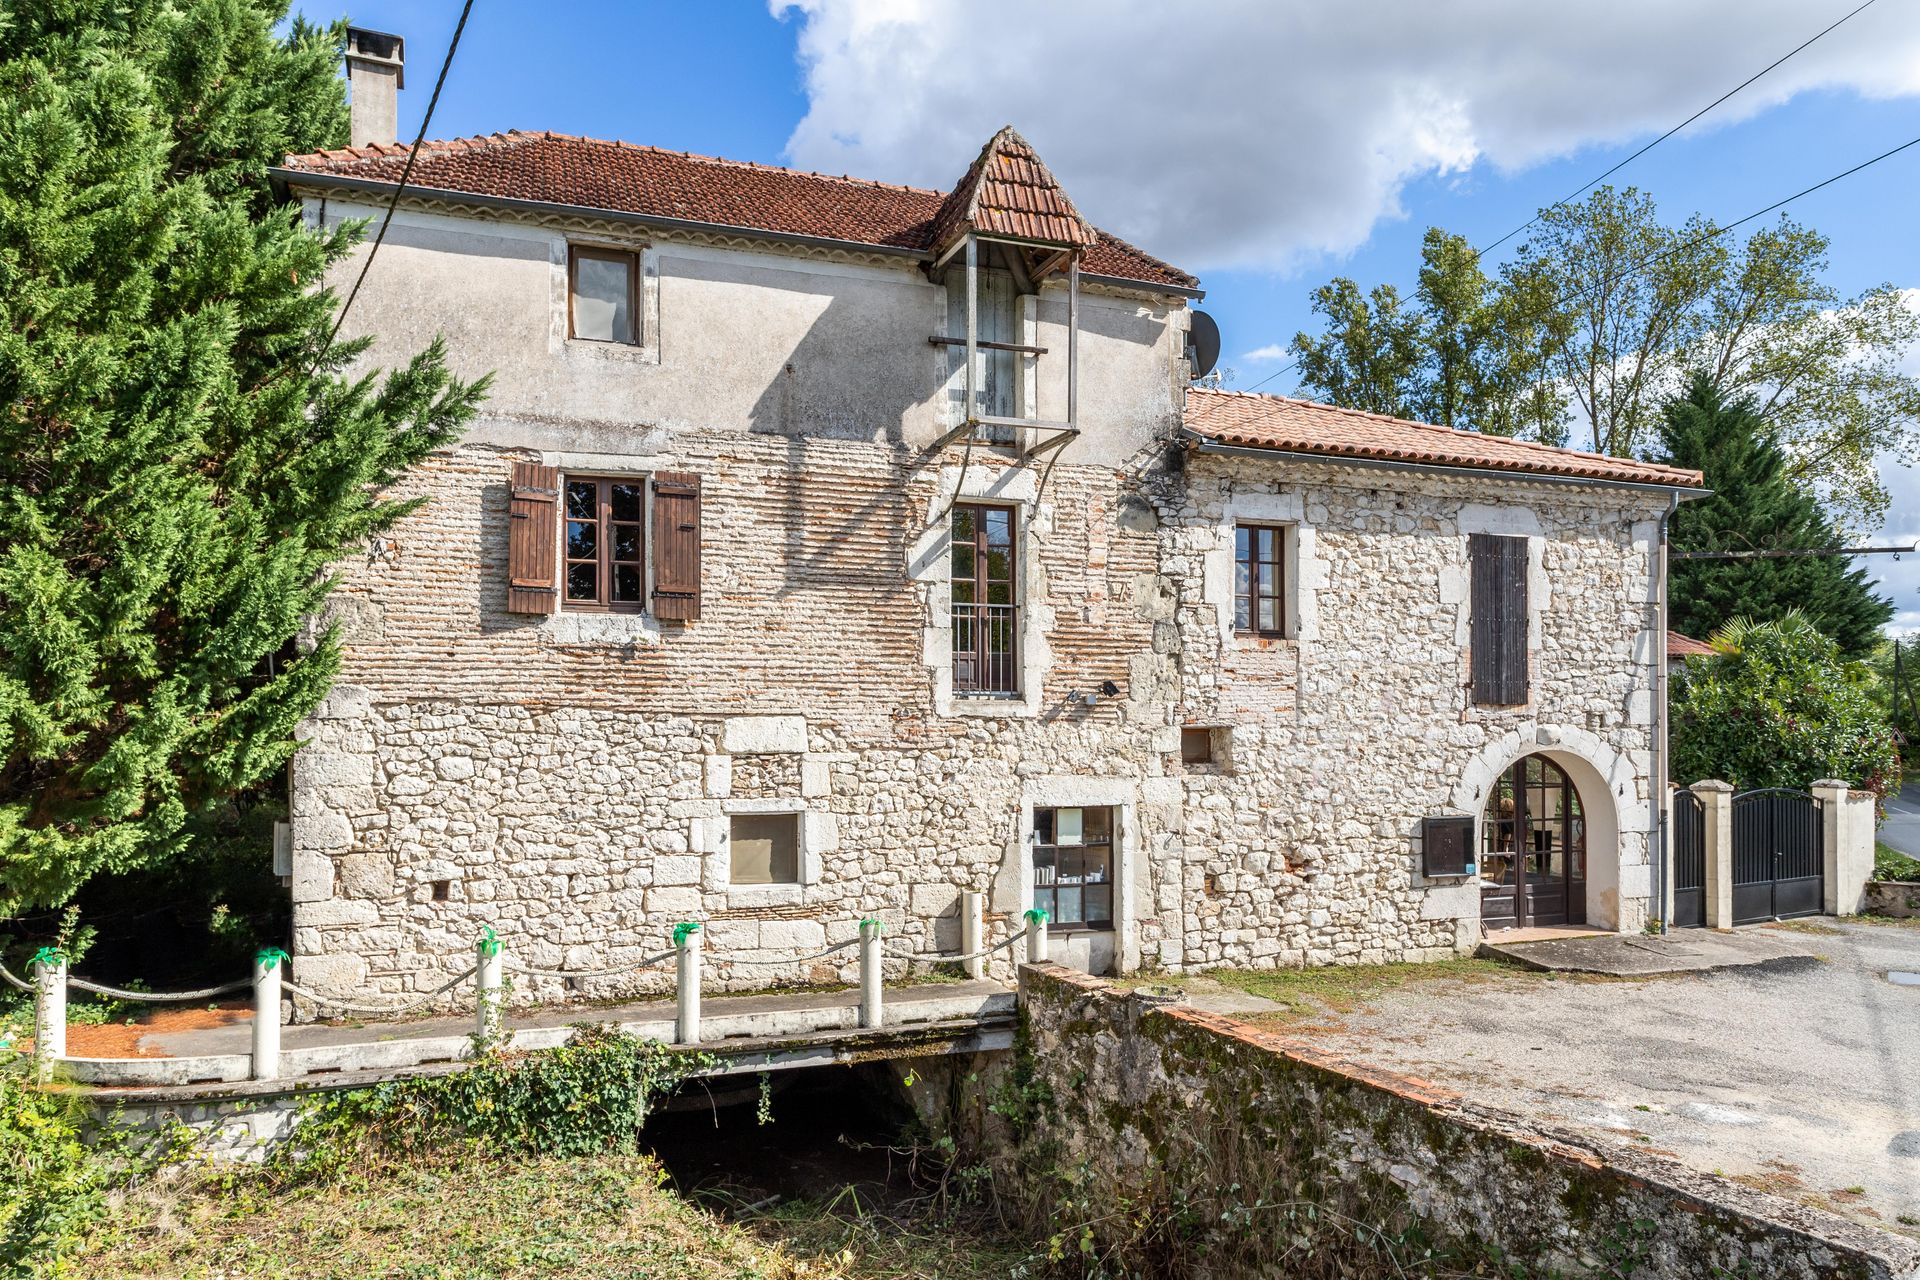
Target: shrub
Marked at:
1777, 706
51, 1185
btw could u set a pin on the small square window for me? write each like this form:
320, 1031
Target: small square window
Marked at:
764, 848
1196, 746
442, 890
602, 295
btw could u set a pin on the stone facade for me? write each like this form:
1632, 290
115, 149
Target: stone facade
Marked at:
568, 780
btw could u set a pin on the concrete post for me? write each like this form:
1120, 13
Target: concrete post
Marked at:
488, 1010
871, 974
266, 1012
973, 931
1848, 856
1716, 802
1036, 936
687, 984
49, 1011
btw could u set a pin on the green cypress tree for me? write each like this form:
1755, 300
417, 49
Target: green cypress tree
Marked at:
183, 451
1756, 505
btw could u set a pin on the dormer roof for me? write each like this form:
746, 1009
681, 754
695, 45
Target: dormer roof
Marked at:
1009, 192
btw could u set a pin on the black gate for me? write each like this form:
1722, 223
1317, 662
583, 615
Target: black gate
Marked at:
1689, 861
1779, 855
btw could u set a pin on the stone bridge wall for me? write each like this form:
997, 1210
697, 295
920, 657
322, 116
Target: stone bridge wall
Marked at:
1162, 1114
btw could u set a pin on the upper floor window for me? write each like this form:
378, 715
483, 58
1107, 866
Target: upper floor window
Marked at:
602, 294
986, 611
1498, 613
998, 348
1259, 580
606, 544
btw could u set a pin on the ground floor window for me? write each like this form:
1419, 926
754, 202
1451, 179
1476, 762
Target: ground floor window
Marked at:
764, 848
1533, 861
1073, 866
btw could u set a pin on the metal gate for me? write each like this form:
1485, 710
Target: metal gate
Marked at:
1779, 855
1689, 861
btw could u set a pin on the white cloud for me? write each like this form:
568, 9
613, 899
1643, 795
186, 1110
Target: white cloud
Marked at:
1267, 354
1253, 134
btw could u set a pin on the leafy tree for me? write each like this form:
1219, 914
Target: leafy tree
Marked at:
1779, 707
1466, 351
1597, 319
181, 453
1756, 504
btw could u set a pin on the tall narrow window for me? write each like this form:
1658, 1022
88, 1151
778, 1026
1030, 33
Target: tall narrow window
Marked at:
1073, 867
1259, 580
603, 291
998, 367
605, 544
986, 614
1498, 608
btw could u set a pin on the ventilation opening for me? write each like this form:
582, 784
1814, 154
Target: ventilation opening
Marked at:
442, 889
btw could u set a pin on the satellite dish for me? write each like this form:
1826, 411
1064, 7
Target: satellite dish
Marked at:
1203, 344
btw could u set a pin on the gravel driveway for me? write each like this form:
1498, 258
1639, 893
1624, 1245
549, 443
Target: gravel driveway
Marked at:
1803, 1080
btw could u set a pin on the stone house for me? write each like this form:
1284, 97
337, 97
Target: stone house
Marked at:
828, 547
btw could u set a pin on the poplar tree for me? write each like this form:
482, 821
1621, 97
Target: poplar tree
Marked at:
1756, 505
184, 451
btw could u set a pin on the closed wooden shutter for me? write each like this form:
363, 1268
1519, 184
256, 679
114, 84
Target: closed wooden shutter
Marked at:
1499, 611
533, 522
676, 545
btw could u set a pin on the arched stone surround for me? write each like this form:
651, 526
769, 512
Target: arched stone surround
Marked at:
1617, 814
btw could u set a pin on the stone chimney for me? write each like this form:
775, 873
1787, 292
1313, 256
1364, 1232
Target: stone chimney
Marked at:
376, 72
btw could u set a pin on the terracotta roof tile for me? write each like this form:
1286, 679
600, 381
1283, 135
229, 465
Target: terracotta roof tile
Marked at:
1009, 191
557, 168
1304, 426
1679, 646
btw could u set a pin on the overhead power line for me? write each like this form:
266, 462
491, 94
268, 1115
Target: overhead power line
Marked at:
1584, 188
413, 153
1792, 552
1588, 186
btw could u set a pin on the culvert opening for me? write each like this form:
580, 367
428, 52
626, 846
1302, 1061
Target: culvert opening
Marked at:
752, 1142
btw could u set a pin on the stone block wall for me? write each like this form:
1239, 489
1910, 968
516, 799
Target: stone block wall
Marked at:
1337, 1167
1303, 847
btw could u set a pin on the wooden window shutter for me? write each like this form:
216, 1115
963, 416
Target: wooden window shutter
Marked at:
1498, 566
533, 523
676, 545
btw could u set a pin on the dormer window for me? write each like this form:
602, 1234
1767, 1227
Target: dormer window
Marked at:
602, 294
1001, 236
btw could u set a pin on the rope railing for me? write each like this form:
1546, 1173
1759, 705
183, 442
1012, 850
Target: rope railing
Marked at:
51, 982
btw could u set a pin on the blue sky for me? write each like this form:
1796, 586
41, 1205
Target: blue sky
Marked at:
1265, 152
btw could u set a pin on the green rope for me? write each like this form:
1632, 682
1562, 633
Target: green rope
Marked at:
489, 942
270, 956
682, 931
49, 957
1037, 915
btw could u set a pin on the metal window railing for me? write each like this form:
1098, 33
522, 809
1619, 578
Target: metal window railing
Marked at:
986, 648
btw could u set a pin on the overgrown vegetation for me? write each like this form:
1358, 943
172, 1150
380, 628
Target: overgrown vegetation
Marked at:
1777, 706
1340, 988
51, 1186
1891, 864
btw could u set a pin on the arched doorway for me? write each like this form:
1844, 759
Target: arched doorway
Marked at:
1533, 854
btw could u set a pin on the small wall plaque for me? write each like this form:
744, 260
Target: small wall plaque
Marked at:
1446, 845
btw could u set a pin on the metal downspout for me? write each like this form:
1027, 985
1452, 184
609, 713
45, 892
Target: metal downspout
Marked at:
1661, 808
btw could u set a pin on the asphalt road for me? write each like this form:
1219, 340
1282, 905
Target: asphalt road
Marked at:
1902, 827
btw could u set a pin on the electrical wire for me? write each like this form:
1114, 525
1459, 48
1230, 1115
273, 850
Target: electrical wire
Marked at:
413, 153
1584, 188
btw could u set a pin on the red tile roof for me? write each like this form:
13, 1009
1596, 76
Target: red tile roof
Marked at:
557, 168
1304, 426
1009, 191
1679, 646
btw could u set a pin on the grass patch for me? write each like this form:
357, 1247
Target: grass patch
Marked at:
594, 1218
1341, 988
1891, 864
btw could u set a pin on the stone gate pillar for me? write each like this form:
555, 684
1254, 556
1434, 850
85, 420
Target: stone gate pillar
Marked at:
1716, 800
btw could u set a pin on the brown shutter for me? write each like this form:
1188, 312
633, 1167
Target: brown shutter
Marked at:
1498, 607
533, 523
676, 545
